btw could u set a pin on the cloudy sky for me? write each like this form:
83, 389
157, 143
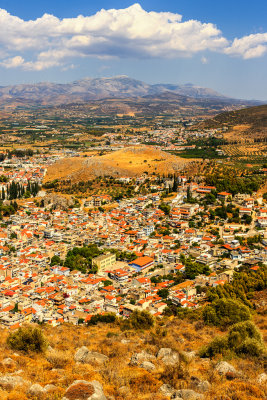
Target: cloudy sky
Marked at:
217, 44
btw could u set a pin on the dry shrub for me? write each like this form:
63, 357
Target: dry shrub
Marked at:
156, 396
144, 383
236, 391
117, 374
80, 391
59, 358
27, 339
38, 369
187, 335
118, 350
85, 371
56, 395
14, 395
175, 375
22, 361
199, 325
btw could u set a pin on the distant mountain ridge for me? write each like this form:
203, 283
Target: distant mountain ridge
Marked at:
88, 89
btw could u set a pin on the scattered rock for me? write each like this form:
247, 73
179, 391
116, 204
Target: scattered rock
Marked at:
84, 390
36, 390
18, 372
139, 358
168, 356
187, 394
167, 390
224, 368
49, 388
9, 382
148, 366
84, 355
203, 386
8, 362
199, 385
57, 201
124, 390
262, 378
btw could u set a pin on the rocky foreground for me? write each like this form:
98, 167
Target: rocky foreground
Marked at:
104, 363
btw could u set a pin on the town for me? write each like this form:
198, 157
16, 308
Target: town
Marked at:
66, 259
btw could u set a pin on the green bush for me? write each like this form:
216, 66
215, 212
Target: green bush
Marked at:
138, 320
106, 318
27, 339
242, 331
141, 320
225, 312
250, 347
219, 345
243, 339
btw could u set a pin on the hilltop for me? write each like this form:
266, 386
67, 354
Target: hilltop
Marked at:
130, 161
248, 123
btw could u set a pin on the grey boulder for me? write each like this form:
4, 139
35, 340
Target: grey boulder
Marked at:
168, 356
8, 362
199, 385
224, 368
36, 390
9, 382
84, 355
139, 358
187, 394
262, 379
166, 390
148, 366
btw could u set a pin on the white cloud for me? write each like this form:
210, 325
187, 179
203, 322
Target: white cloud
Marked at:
204, 60
18, 61
250, 46
13, 62
131, 32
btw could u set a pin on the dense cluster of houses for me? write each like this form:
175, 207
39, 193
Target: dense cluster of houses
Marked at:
33, 290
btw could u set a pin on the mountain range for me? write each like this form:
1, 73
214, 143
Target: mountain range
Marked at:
91, 89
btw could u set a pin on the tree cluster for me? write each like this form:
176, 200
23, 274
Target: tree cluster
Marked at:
17, 191
80, 258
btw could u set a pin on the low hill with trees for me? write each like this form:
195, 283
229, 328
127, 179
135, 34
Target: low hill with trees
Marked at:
247, 123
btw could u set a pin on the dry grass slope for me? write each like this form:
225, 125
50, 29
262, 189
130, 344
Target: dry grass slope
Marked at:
120, 380
131, 161
246, 124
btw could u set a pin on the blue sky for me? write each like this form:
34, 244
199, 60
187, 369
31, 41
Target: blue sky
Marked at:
222, 45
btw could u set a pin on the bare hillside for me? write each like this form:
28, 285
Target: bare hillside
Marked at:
248, 123
131, 161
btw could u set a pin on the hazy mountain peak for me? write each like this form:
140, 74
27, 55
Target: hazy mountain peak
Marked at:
120, 86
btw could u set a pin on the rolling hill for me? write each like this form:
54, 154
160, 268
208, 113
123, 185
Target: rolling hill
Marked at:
246, 124
130, 161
